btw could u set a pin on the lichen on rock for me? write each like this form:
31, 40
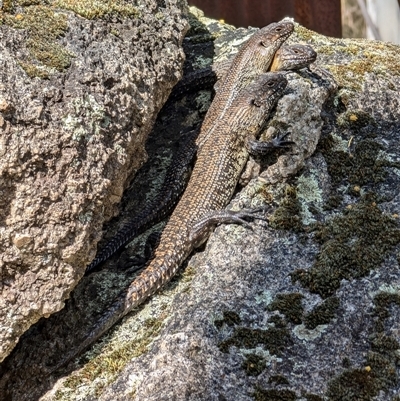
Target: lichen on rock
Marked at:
302, 307
81, 83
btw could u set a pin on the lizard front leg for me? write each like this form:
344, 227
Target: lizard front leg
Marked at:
261, 148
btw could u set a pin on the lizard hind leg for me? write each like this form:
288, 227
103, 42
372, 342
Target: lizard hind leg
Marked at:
202, 229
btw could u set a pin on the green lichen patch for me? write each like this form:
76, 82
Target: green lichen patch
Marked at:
289, 305
34, 70
287, 215
351, 75
273, 339
350, 60
360, 167
352, 244
230, 318
87, 109
366, 57
91, 9
112, 362
304, 33
44, 26
187, 274
322, 314
254, 364
274, 395
7, 6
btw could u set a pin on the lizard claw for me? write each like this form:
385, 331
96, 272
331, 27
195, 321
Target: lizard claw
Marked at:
259, 148
253, 214
279, 141
212, 219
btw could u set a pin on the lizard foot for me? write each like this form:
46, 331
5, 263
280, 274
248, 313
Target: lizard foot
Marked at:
259, 148
204, 226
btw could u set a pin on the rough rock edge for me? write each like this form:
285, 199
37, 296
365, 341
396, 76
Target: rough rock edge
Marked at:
183, 363
309, 109
189, 337
68, 146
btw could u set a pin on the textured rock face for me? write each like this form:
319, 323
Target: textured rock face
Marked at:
74, 115
305, 307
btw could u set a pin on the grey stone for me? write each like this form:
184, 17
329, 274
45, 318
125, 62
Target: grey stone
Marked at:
305, 306
70, 137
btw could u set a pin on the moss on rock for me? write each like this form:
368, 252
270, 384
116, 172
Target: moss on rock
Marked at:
287, 215
352, 244
273, 339
278, 380
322, 314
230, 318
92, 9
274, 395
45, 23
254, 364
289, 305
380, 370
360, 167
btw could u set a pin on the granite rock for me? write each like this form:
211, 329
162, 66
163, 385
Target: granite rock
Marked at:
81, 85
306, 306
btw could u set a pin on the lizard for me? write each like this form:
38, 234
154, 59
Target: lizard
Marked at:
287, 58
254, 58
212, 183
293, 57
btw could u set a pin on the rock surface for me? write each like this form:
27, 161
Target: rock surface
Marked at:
81, 85
306, 307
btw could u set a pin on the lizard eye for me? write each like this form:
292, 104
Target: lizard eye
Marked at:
271, 84
278, 29
263, 44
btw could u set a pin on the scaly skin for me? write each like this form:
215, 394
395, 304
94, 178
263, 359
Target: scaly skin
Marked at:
163, 204
215, 175
253, 59
293, 57
287, 58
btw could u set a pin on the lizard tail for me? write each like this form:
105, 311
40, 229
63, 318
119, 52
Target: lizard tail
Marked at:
159, 272
107, 319
177, 177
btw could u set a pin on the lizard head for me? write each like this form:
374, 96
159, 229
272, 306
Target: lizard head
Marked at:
260, 49
273, 35
293, 57
267, 89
